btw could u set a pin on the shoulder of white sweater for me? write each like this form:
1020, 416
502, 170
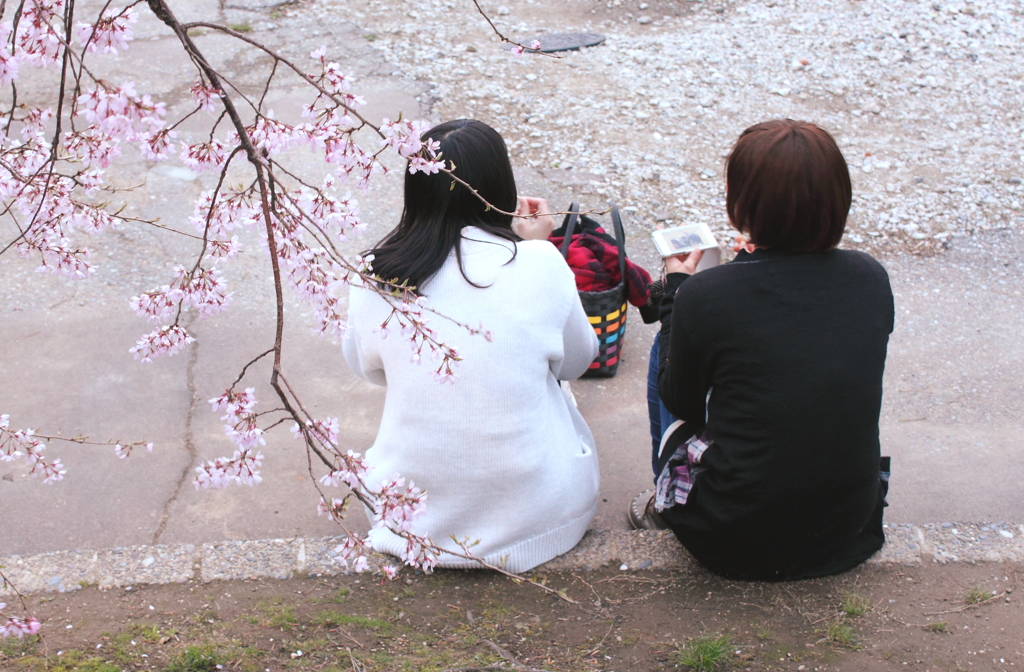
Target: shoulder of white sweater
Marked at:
544, 253
543, 249
537, 255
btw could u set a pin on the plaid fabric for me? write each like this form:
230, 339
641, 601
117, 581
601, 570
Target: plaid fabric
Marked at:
595, 262
676, 478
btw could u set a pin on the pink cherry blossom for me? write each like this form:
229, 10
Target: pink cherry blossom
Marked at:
324, 431
403, 136
335, 509
92, 147
121, 112
350, 554
233, 209
397, 505
272, 135
37, 39
205, 96
427, 166
233, 402
204, 156
241, 469
419, 554
156, 306
34, 122
163, 341
18, 627
337, 82
108, 34
351, 472
224, 249
200, 289
125, 451
9, 62
156, 145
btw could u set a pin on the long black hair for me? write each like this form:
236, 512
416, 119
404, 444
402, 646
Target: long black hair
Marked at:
437, 208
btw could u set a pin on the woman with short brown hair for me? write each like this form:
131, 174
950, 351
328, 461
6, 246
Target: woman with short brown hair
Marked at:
771, 369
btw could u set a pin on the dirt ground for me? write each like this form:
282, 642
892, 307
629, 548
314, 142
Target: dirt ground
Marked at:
931, 617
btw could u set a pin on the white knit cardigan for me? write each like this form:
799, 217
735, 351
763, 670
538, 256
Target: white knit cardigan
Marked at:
504, 457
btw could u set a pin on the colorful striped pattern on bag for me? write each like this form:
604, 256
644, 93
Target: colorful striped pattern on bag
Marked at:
610, 330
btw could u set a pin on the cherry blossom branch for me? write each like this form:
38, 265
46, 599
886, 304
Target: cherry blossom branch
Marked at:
278, 58
83, 439
488, 206
517, 49
247, 365
16, 626
312, 446
352, 475
69, 13
27, 443
213, 200
300, 225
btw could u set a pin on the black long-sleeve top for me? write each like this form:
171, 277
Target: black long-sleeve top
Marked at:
779, 357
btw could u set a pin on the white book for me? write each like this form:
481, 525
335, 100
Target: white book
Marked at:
684, 239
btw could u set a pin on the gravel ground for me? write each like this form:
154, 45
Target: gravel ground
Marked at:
924, 98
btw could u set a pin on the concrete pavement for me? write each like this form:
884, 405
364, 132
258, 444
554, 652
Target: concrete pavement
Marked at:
953, 415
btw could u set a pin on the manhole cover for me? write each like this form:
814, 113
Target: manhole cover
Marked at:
553, 42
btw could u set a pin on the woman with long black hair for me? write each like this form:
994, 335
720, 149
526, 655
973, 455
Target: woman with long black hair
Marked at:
506, 460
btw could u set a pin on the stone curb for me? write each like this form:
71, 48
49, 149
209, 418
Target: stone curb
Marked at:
62, 571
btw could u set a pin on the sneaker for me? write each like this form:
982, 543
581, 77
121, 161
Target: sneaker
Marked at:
642, 515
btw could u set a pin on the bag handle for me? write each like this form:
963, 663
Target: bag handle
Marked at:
571, 220
620, 241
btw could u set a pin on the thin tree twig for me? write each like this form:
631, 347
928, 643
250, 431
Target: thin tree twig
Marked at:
507, 655
601, 643
505, 39
246, 367
84, 440
966, 607
356, 667
350, 637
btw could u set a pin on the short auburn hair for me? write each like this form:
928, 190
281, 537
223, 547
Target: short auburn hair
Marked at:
788, 186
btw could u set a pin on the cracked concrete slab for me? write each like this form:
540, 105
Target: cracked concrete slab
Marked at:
951, 416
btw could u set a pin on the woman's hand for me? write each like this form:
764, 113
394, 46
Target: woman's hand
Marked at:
684, 263
533, 220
